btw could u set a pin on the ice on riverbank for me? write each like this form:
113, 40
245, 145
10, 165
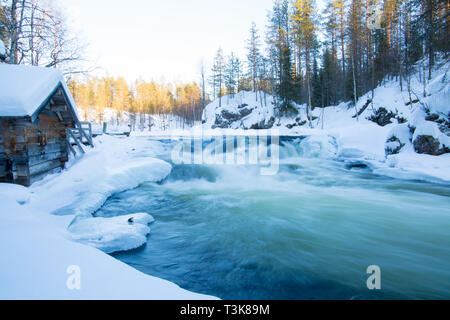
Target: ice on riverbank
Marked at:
112, 234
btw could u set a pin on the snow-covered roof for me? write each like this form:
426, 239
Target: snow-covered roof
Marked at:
24, 90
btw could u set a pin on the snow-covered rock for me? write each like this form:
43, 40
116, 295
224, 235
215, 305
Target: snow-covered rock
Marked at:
429, 139
245, 110
112, 234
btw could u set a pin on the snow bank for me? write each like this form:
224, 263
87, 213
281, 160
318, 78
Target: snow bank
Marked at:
112, 234
14, 192
115, 165
362, 140
36, 258
410, 165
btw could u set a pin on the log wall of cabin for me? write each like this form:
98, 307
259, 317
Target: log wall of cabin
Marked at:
22, 147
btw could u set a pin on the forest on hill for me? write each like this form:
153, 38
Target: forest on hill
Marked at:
306, 55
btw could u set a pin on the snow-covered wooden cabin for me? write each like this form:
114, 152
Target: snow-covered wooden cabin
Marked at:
37, 114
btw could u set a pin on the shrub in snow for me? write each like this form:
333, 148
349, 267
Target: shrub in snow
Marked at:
263, 124
397, 139
393, 146
382, 117
298, 123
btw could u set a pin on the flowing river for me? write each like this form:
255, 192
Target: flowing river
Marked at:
308, 232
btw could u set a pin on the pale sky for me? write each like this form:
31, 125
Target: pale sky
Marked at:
165, 38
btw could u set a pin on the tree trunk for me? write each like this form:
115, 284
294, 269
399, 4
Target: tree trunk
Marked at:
13, 31
354, 87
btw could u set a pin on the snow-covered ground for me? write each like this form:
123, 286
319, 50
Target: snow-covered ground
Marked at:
38, 247
140, 125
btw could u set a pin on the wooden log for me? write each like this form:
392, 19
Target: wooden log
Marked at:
47, 118
22, 170
45, 166
34, 150
22, 180
3, 169
71, 149
38, 159
77, 142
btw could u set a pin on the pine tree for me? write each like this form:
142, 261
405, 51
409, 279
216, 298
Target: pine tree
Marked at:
218, 74
231, 76
253, 56
280, 51
305, 32
340, 6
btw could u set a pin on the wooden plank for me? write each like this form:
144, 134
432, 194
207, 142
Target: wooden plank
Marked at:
45, 166
75, 140
2, 169
19, 159
59, 108
47, 118
69, 145
86, 129
51, 147
22, 170
88, 138
38, 159
24, 181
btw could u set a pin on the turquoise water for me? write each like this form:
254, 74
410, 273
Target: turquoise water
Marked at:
309, 232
